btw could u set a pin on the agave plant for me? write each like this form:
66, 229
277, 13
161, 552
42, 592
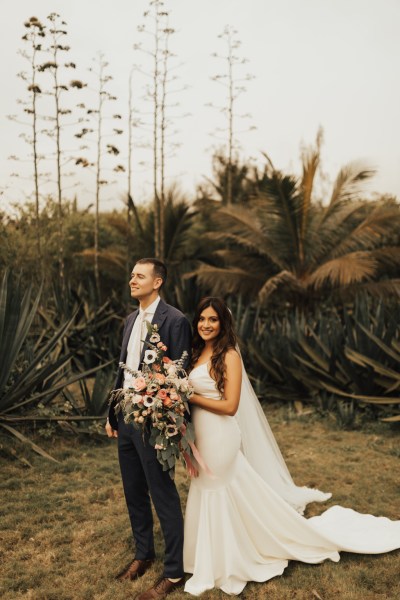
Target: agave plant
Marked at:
284, 243
94, 335
341, 359
31, 370
373, 348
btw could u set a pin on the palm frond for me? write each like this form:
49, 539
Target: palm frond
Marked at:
284, 278
107, 258
279, 204
251, 262
132, 208
310, 166
245, 225
240, 246
223, 281
179, 220
311, 159
239, 225
241, 220
120, 224
381, 223
324, 235
348, 183
389, 256
344, 270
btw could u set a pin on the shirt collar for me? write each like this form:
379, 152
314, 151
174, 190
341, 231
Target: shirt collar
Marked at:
151, 309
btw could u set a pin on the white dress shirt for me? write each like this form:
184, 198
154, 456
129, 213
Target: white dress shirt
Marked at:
137, 337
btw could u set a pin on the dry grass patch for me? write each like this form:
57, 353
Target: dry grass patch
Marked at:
65, 530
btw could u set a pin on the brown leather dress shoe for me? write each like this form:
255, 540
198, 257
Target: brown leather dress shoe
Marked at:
161, 589
135, 569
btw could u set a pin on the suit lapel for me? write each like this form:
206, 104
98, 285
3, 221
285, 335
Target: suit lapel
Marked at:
159, 317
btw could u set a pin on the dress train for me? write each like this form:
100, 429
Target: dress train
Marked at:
238, 528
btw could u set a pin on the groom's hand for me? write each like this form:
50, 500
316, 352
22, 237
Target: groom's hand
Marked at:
112, 433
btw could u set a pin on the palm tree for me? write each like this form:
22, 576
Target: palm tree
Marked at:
183, 242
285, 241
227, 175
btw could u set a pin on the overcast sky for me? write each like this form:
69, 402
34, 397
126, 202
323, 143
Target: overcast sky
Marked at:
329, 63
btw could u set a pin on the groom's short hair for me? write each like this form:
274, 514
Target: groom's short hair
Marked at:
159, 267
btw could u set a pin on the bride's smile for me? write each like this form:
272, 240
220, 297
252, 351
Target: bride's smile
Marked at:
209, 326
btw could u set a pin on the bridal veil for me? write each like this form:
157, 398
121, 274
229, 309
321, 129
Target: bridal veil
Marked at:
262, 452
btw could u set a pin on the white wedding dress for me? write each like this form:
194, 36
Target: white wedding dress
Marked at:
243, 520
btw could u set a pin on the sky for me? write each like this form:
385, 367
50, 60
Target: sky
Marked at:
316, 63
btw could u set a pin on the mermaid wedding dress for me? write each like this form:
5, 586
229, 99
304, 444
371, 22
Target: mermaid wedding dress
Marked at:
243, 520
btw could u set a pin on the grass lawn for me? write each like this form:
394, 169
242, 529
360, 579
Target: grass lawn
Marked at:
65, 531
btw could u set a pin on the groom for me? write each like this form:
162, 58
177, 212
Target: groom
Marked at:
142, 474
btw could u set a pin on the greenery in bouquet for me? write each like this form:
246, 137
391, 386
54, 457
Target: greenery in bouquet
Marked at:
156, 402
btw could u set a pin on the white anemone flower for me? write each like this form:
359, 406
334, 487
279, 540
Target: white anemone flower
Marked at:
150, 356
148, 401
171, 430
152, 387
155, 338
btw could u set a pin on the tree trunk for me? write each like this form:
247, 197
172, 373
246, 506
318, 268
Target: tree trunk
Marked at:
36, 159
162, 149
230, 128
98, 173
129, 199
58, 168
155, 137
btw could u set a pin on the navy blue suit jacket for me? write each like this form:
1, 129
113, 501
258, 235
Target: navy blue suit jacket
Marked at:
175, 332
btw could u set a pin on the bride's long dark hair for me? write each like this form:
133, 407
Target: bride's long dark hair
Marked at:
225, 341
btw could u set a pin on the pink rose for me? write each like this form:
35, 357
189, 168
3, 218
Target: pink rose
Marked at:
139, 384
167, 402
160, 378
162, 394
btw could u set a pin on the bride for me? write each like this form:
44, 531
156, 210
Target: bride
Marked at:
243, 517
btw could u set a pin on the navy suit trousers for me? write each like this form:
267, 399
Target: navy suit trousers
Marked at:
142, 476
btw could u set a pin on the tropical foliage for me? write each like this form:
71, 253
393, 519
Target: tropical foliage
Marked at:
182, 240
284, 243
36, 366
342, 359
291, 263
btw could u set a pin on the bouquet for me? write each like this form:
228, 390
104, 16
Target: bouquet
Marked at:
157, 401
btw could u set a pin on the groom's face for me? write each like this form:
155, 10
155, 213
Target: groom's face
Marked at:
143, 282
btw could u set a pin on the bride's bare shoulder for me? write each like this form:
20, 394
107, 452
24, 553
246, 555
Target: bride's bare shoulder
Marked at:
232, 358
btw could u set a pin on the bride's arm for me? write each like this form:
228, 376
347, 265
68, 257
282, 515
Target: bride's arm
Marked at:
228, 405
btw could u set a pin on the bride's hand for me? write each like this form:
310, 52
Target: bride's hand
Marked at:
192, 471
192, 399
